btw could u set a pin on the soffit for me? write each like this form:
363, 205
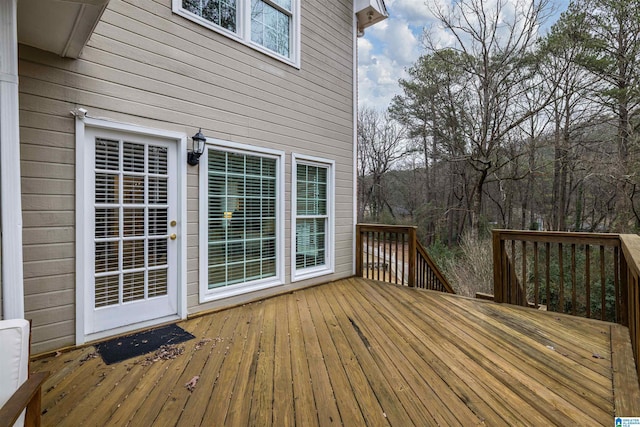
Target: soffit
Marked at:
59, 26
370, 12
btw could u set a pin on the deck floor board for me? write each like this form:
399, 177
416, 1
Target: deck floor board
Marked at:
359, 352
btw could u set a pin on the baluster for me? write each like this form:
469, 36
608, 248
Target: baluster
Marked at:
561, 278
573, 279
395, 260
369, 254
602, 285
616, 283
523, 286
513, 280
536, 279
548, 272
587, 268
404, 251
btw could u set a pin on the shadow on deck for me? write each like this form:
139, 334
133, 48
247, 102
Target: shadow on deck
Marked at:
358, 352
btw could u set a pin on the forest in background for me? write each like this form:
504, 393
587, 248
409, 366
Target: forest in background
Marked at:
509, 128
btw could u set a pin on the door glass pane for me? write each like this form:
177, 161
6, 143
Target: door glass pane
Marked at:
133, 157
133, 254
107, 256
133, 286
158, 282
158, 190
157, 160
107, 188
157, 222
157, 252
107, 290
241, 210
107, 154
107, 223
133, 222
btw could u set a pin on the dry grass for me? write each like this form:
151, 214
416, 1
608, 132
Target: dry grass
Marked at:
471, 270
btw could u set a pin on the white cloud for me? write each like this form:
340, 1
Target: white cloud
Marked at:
414, 12
365, 49
387, 50
401, 43
391, 46
378, 82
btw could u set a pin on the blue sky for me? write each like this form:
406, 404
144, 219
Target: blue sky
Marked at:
393, 45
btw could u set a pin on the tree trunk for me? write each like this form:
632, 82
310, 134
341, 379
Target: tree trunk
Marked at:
476, 204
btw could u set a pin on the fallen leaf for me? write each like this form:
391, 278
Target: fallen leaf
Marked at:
201, 343
550, 347
191, 385
88, 357
165, 352
597, 356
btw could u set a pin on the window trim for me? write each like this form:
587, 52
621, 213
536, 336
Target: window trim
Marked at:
205, 293
329, 266
243, 26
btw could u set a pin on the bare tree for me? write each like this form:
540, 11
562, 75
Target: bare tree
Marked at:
495, 42
380, 144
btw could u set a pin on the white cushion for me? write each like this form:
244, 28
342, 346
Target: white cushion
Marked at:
14, 357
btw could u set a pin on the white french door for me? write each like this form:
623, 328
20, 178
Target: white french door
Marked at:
132, 229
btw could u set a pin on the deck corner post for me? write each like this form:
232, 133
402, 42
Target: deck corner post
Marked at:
498, 253
625, 284
413, 247
359, 250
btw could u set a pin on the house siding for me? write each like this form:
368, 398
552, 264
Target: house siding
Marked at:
147, 66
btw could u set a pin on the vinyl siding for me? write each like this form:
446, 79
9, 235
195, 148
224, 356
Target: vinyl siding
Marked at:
146, 66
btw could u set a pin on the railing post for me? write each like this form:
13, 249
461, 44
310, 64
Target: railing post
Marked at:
624, 289
412, 256
498, 280
358, 250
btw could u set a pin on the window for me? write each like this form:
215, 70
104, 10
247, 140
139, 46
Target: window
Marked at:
242, 216
313, 217
271, 26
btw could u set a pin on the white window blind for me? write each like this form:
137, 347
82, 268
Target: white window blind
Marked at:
241, 218
131, 187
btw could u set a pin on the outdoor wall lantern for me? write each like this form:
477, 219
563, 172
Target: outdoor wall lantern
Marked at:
197, 148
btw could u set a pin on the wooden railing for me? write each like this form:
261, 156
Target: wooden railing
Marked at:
573, 273
593, 275
392, 253
630, 261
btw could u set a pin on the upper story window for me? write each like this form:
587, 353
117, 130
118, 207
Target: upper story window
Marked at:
270, 26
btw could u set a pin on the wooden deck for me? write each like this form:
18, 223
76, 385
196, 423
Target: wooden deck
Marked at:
357, 352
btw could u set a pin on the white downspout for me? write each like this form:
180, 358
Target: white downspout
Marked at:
10, 192
355, 138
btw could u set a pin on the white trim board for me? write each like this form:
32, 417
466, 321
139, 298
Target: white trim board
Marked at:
10, 190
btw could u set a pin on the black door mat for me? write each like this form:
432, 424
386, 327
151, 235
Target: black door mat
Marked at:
123, 348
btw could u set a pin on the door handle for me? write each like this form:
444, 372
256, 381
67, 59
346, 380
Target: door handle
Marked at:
173, 236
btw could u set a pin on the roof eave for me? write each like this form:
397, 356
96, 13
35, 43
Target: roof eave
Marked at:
370, 12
